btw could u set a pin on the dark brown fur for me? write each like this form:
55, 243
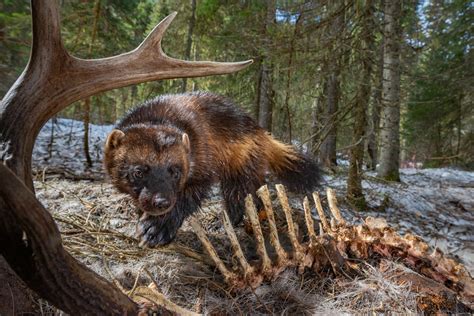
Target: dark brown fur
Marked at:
225, 145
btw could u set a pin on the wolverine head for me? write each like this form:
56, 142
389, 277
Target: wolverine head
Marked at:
152, 164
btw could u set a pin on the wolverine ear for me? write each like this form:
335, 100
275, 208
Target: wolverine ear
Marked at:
186, 143
114, 139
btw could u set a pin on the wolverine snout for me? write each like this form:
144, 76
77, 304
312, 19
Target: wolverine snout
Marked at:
161, 203
155, 203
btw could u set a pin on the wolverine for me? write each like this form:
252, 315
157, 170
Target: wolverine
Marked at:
168, 152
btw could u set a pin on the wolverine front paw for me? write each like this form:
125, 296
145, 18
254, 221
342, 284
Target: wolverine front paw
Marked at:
155, 231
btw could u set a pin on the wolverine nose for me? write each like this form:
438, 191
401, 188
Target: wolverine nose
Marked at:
161, 203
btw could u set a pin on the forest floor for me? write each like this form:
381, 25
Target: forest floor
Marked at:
98, 225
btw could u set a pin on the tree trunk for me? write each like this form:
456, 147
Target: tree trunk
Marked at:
355, 195
87, 102
459, 125
372, 137
51, 137
289, 73
86, 119
189, 41
315, 126
266, 98
390, 119
327, 154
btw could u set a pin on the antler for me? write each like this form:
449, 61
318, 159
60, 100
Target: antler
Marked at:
54, 79
440, 282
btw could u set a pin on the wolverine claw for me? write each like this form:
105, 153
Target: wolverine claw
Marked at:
155, 231
159, 239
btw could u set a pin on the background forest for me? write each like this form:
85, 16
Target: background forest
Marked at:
385, 84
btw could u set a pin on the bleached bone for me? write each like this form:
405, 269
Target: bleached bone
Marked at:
250, 276
264, 195
333, 206
257, 231
297, 248
228, 275
324, 222
309, 220
149, 298
246, 267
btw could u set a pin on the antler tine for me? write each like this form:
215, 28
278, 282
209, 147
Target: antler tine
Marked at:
178, 67
159, 299
309, 220
319, 208
199, 230
156, 35
257, 230
170, 67
264, 194
333, 206
291, 225
247, 268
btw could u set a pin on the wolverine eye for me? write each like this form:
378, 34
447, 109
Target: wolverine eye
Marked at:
175, 172
138, 174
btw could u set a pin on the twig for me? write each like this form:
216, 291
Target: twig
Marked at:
116, 282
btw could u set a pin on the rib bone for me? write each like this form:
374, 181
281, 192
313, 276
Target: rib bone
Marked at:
264, 195
309, 219
257, 231
319, 208
333, 206
199, 230
247, 268
287, 210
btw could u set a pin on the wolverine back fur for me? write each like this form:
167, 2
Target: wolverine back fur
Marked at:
169, 151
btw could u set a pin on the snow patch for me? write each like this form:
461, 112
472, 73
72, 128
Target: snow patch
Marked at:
65, 149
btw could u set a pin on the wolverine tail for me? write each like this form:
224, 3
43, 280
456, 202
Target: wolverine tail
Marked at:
296, 171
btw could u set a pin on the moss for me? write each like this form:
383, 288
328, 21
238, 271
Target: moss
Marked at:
358, 203
385, 203
393, 176
433, 164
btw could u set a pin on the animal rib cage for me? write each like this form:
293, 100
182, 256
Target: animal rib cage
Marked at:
339, 247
